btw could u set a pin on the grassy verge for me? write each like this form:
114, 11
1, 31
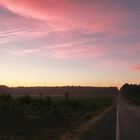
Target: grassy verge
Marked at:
40, 119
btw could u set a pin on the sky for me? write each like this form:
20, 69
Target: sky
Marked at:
69, 42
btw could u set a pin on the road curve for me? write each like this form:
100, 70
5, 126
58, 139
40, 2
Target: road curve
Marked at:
129, 120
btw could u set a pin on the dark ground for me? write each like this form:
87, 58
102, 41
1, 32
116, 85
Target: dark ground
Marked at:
28, 118
106, 129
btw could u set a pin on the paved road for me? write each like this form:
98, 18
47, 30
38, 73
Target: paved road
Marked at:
129, 120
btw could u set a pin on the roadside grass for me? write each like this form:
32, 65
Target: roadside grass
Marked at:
45, 118
134, 99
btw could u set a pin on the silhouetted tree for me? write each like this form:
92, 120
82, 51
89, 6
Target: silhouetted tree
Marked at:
66, 95
40, 95
49, 100
130, 90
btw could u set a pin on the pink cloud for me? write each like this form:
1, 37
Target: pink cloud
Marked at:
135, 68
69, 15
74, 24
93, 16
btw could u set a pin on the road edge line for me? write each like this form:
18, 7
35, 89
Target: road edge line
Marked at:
117, 127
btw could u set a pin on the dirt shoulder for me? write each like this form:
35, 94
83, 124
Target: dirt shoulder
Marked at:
106, 128
86, 127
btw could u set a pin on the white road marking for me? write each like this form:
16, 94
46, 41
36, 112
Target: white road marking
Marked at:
117, 126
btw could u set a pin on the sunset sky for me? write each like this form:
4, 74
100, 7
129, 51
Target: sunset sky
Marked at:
69, 42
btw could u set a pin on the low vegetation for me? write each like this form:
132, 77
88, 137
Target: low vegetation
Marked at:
45, 118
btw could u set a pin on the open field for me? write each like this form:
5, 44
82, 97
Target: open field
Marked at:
72, 91
46, 118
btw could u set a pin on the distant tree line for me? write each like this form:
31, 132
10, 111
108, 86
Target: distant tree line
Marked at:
130, 90
66, 91
4, 89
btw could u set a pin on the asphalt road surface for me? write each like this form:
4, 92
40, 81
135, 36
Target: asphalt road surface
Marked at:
128, 120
